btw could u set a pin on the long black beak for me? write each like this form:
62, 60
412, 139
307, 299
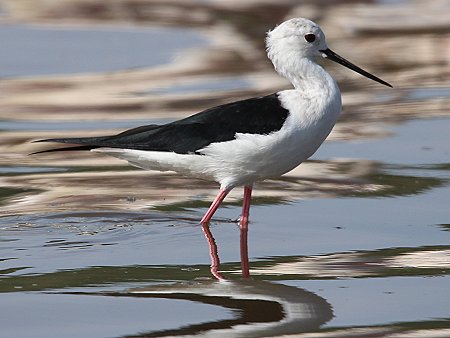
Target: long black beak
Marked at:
328, 53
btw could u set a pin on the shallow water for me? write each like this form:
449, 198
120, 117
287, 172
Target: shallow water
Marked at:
354, 243
88, 49
364, 256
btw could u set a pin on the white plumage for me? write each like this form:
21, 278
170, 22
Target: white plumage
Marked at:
244, 141
314, 106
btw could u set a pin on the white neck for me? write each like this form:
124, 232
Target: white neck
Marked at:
306, 75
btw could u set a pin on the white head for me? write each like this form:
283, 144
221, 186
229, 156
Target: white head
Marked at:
292, 41
297, 40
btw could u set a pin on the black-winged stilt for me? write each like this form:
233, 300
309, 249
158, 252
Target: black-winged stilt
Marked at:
241, 142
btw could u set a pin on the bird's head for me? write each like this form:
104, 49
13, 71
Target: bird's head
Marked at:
297, 39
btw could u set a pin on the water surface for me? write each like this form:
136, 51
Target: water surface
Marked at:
353, 243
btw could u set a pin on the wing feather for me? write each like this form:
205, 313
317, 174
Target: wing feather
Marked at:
259, 115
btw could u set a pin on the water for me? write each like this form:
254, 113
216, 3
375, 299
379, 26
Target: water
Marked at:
84, 50
356, 243
75, 125
382, 258
82, 316
411, 144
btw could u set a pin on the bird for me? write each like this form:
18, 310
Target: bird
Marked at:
245, 141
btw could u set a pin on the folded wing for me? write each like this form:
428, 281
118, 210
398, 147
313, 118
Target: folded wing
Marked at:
259, 115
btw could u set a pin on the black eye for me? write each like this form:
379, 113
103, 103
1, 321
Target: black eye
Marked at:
310, 37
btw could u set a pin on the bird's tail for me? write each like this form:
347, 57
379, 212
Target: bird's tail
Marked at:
85, 143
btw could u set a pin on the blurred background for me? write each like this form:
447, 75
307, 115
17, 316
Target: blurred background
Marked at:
370, 205
93, 67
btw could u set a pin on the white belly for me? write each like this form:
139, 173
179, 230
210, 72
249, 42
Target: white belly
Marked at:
249, 157
255, 157
244, 160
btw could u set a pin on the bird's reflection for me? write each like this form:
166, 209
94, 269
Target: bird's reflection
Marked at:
213, 252
245, 266
215, 260
262, 308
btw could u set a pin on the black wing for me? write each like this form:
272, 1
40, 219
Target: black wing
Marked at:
259, 115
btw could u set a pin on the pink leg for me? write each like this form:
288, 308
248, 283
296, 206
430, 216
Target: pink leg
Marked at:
215, 262
244, 231
215, 204
246, 206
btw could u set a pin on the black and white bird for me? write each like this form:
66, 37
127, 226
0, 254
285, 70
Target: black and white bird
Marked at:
239, 143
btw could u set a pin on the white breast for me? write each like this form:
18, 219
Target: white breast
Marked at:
252, 157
